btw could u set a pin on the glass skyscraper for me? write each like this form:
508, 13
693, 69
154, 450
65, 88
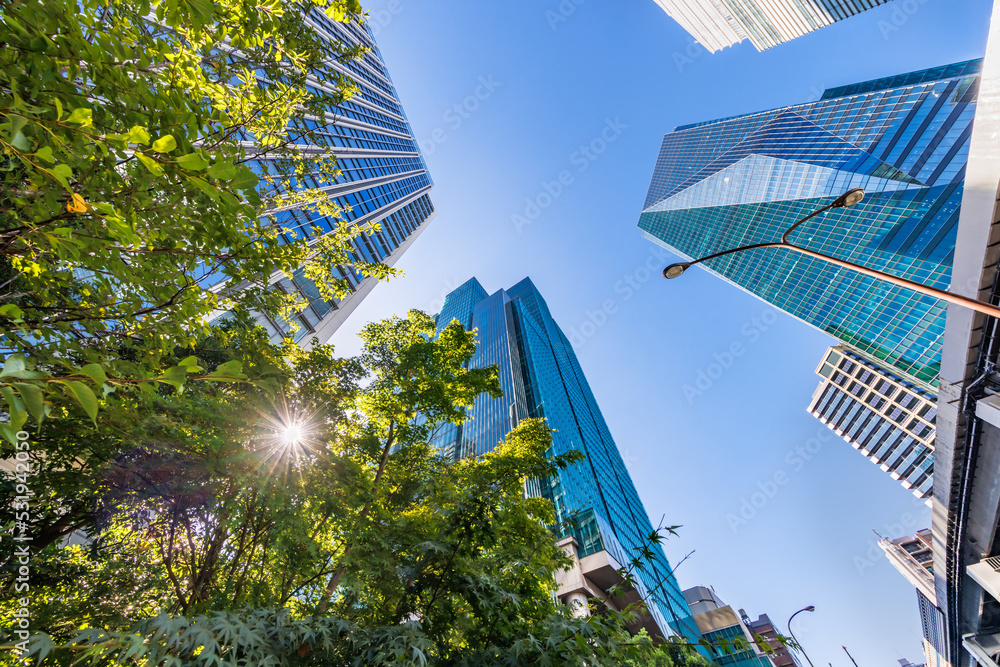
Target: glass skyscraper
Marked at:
595, 500
904, 139
384, 180
717, 24
889, 420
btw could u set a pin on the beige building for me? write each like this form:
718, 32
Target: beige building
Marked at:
717, 622
716, 24
889, 420
913, 557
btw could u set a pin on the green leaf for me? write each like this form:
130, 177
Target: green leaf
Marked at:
9, 433
15, 408
205, 187
33, 398
62, 173
95, 372
152, 165
174, 376
20, 142
138, 135
45, 153
84, 396
191, 364
165, 144
230, 371
224, 171
245, 179
11, 311
13, 364
81, 116
17, 124
192, 162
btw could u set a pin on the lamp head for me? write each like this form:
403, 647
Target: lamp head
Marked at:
849, 198
810, 608
675, 270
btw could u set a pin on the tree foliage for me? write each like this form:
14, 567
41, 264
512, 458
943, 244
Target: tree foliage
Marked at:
147, 151
305, 519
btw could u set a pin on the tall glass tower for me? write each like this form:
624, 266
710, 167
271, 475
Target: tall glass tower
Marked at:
384, 180
743, 180
717, 24
595, 500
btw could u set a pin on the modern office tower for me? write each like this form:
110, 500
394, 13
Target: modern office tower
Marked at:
717, 622
600, 518
717, 24
913, 557
384, 181
905, 139
886, 418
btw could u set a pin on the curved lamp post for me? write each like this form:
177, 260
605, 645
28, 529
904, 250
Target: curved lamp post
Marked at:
849, 198
809, 608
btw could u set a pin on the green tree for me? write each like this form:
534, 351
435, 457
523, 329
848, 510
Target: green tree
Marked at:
143, 159
305, 519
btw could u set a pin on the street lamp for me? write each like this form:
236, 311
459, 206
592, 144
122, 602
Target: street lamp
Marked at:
846, 200
809, 608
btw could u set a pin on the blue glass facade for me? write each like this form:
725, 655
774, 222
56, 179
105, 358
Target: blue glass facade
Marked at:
541, 378
740, 658
383, 181
905, 140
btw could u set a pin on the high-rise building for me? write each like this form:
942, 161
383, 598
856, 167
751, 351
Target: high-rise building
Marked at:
727, 183
781, 655
384, 180
717, 24
718, 623
599, 515
914, 559
886, 418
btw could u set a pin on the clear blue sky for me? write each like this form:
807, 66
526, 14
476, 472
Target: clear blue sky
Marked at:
552, 87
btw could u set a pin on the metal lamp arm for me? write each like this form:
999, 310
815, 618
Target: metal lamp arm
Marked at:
734, 250
784, 237
783, 243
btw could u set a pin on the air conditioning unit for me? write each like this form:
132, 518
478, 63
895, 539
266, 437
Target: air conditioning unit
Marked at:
984, 648
986, 573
